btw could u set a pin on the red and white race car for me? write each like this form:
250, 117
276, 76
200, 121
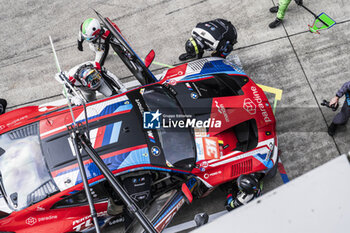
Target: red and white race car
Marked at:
200, 124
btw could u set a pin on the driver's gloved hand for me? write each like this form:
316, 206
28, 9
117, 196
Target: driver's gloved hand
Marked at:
3, 105
299, 2
186, 56
80, 45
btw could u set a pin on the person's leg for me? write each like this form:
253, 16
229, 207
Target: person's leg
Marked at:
341, 118
282, 8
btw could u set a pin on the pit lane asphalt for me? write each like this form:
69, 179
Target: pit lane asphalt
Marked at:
306, 66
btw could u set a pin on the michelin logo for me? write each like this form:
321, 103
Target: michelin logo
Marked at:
151, 120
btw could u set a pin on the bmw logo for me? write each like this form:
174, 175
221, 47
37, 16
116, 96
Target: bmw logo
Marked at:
155, 150
194, 95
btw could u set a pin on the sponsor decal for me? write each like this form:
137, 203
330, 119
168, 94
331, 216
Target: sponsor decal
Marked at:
188, 86
39, 208
172, 82
150, 136
115, 221
155, 150
204, 164
169, 164
151, 120
249, 106
47, 218
261, 106
85, 222
206, 175
31, 221
211, 148
222, 110
194, 95
13, 122
200, 132
139, 105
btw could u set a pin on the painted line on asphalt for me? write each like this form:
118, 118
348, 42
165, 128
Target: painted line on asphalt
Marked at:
273, 90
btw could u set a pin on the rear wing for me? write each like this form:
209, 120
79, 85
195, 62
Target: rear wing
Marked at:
127, 54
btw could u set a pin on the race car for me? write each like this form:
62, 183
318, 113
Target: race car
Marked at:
177, 137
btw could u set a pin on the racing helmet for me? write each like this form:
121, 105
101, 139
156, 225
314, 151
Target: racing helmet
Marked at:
248, 183
91, 29
192, 47
89, 77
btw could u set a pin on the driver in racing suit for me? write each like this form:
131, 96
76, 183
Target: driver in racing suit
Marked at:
243, 191
3, 105
98, 38
90, 77
218, 35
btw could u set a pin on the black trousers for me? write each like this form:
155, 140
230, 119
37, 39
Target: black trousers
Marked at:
343, 116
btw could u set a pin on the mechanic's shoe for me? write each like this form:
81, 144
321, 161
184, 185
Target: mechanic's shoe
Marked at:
3, 105
274, 9
114, 209
186, 56
331, 129
275, 23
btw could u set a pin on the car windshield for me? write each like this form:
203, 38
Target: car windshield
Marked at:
24, 177
177, 143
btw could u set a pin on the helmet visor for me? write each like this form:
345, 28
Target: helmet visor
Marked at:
92, 78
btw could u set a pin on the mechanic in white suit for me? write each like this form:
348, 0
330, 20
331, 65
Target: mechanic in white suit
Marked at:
98, 38
90, 77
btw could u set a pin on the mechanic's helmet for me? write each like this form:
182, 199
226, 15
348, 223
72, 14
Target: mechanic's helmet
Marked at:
192, 47
247, 183
90, 77
90, 29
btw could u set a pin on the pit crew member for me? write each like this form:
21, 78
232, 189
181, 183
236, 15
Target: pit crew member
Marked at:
245, 189
218, 35
281, 11
343, 116
98, 38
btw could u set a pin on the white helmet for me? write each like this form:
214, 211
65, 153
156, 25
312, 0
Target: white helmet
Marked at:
90, 29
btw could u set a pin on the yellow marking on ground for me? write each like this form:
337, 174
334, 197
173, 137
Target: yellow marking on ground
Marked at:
276, 91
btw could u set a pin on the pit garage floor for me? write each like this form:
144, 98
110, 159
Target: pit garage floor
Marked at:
306, 67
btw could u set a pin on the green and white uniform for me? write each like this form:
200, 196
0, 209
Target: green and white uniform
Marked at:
282, 8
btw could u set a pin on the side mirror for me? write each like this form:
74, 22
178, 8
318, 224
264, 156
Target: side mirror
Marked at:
149, 58
187, 193
201, 219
